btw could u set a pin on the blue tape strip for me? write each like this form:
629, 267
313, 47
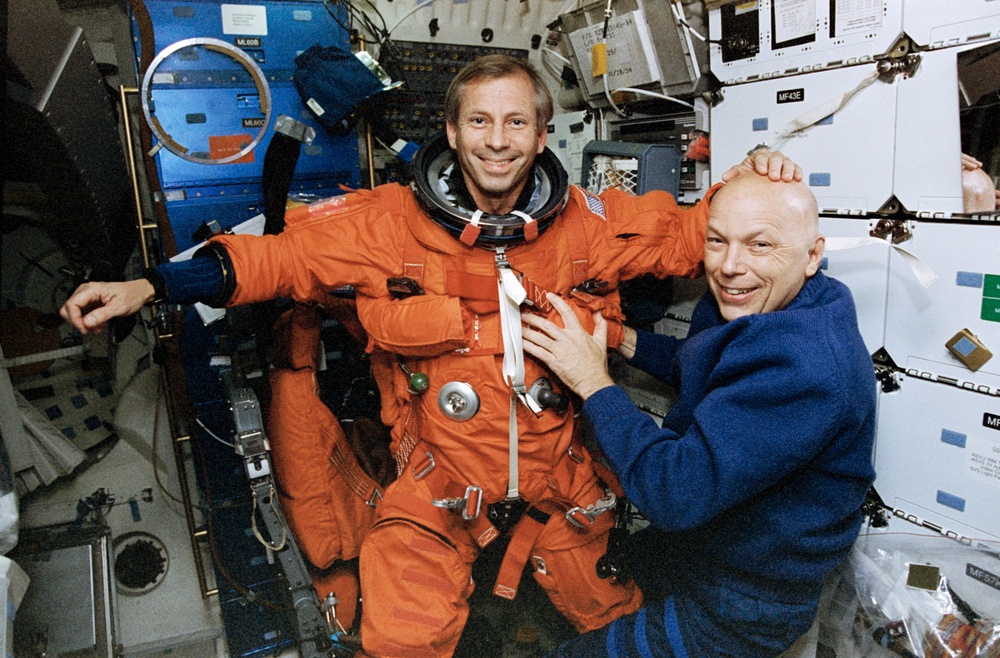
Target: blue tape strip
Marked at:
969, 279
953, 438
951, 500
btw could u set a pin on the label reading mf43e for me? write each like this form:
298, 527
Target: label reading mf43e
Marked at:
984, 460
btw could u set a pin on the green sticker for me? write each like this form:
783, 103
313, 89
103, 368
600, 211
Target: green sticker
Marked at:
991, 286
991, 310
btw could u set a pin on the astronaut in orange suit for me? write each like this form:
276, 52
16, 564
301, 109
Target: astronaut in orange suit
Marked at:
484, 438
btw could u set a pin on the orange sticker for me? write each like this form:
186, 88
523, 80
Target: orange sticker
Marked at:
224, 146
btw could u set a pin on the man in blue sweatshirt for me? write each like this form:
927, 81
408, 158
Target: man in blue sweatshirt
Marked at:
754, 483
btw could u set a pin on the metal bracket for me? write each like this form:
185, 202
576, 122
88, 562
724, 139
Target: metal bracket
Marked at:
252, 444
895, 229
886, 370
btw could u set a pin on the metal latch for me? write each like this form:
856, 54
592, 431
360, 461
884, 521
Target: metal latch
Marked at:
896, 230
583, 518
885, 370
470, 504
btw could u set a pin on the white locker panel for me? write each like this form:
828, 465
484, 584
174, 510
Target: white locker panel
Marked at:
862, 269
847, 158
928, 156
800, 36
898, 139
966, 259
936, 24
936, 455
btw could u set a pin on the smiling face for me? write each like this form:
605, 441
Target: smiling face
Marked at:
496, 137
761, 245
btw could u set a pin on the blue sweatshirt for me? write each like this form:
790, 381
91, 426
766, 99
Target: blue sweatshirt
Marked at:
759, 471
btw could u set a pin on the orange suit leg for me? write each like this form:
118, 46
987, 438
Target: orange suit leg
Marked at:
565, 563
415, 588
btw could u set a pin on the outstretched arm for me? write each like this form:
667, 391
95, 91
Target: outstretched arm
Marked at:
93, 304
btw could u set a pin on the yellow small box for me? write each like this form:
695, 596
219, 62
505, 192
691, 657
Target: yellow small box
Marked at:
598, 59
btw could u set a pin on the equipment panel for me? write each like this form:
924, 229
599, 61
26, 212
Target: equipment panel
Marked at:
273, 33
934, 24
762, 39
903, 132
679, 130
842, 179
415, 111
209, 104
647, 48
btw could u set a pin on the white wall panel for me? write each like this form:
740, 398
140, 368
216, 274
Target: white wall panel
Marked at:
935, 458
863, 269
848, 159
937, 24
920, 321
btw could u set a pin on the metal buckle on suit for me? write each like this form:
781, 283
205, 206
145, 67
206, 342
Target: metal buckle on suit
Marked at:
470, 504
425, 468
578, 515
372, 502
579, 459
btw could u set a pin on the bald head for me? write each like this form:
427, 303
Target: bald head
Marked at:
762, 244
792, 202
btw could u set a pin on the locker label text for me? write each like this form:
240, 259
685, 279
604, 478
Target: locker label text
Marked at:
983, 461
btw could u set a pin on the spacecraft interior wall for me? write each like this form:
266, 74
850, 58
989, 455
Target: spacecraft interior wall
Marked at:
772, 38
861, 268
933, 24
920, 321
847, 157
211, 106
895, 144
938, 457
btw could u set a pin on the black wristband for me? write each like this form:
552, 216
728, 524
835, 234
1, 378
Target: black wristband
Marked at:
153, 275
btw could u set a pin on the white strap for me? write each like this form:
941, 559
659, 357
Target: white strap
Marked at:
818, 113
475, 217
512, 462
925, 275
523, 215
512, 294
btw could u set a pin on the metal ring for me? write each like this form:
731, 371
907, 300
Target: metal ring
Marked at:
458, 401
220, 46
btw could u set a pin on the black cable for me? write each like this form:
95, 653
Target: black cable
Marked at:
336, 19
970, 615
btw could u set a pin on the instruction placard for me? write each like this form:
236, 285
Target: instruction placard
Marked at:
793, 20
857, 16
983, 461
244, 19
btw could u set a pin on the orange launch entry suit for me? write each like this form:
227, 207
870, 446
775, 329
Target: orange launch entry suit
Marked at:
416, 560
